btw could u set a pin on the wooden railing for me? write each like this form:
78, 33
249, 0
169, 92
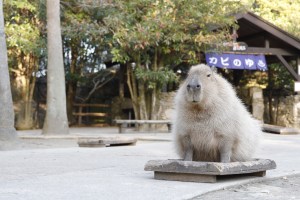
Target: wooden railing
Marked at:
81, 113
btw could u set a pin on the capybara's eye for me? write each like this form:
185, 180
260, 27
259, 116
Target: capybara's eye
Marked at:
208, 75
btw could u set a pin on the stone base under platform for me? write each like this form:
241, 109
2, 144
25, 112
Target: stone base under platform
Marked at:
208, 172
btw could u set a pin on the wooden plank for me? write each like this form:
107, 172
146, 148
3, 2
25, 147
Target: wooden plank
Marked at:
91, 114
210, 168
91, 105
80, 117
280, 129
185, 177
122, 121
103, 142
266, 51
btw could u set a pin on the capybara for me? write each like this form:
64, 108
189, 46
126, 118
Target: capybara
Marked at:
211, 123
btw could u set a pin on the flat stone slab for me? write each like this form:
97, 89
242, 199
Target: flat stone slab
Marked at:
105, 142
191, 171
280, 129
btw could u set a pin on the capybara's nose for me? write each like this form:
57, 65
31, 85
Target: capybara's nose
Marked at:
194, 86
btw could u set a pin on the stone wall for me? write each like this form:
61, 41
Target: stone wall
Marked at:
257, 103
166, 108
285, 111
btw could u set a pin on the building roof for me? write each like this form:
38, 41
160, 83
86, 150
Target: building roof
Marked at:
254, 30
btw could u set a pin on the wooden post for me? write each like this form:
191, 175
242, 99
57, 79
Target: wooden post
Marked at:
79, 116
267, 43
298, 64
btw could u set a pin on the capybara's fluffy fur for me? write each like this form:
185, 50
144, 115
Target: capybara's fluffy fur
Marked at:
211, 123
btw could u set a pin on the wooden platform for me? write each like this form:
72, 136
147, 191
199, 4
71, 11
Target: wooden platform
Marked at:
209, 172
105, 142
279, 129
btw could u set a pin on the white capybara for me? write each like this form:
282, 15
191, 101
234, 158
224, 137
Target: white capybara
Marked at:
211, 123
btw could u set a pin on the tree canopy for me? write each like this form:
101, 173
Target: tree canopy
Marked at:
148, 38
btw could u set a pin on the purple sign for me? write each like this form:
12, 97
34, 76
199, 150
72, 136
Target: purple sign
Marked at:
237, 61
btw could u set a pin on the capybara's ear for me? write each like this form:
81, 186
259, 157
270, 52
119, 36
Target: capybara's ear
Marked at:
214, 69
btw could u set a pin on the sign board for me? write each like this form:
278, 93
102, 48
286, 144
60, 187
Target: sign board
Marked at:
236, 46
297, 86
237, 61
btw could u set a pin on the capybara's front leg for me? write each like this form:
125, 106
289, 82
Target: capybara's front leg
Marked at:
188, 149
225, 152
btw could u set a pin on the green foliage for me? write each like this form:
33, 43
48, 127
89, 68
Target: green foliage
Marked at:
84, 37
22, 27
284, 13
180, 28
160, 77
21, 4
281, 80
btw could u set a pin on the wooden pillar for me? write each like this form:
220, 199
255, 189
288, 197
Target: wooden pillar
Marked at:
267, 43
297, 83
298, 64
80, 116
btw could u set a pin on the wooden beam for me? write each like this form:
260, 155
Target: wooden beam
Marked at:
289, 68
270, 51
271, 29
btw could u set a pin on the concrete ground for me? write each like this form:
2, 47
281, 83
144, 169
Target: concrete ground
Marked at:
54, 167
286, 187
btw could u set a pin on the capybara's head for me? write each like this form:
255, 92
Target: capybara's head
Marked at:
199, 82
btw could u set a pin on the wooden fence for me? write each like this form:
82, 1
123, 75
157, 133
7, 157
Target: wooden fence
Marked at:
88, 111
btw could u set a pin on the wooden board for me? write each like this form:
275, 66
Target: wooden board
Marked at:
191, 171
133, 121
279, 129
105, 142
91, 114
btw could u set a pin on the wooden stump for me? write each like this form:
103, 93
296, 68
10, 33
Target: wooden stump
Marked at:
208, 172
105, 142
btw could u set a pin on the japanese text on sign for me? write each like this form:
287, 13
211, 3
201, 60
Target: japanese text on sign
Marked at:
237, 61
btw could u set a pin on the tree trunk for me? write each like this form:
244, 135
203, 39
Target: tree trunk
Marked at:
56, 121
131, 82
25, 117
142, 100
72, 87
8, 135
70, 102
141, 96
270, 95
